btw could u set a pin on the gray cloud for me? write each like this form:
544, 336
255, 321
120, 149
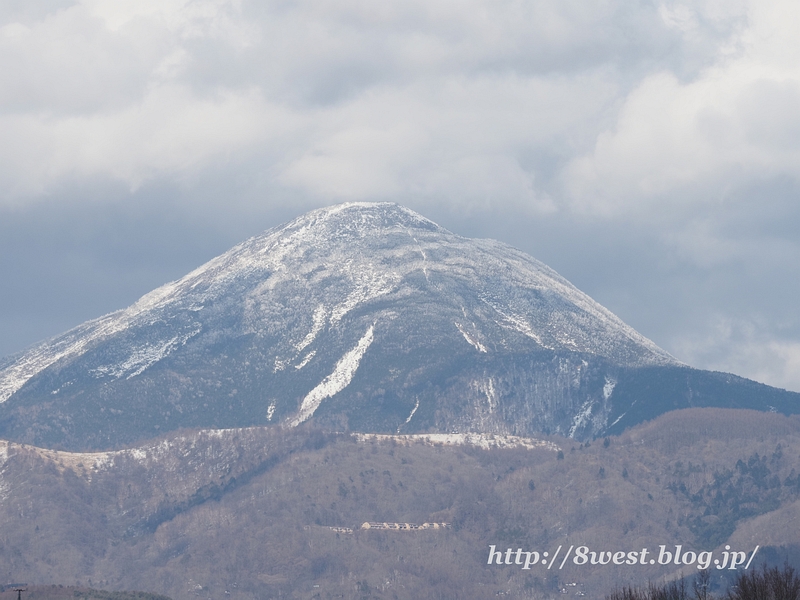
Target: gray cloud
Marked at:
648, 151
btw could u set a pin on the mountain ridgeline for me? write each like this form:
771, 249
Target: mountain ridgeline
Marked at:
357, 317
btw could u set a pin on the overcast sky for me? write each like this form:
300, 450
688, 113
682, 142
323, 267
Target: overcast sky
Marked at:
648, 151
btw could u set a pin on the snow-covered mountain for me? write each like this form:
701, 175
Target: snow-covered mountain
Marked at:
365, 317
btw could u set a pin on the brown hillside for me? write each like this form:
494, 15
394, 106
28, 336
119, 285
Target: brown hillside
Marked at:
252, 513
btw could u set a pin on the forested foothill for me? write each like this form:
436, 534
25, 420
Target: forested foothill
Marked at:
266, 512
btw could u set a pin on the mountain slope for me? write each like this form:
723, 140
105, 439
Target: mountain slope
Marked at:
359, 316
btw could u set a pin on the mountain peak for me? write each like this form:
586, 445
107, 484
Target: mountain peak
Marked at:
363, 216
365, 316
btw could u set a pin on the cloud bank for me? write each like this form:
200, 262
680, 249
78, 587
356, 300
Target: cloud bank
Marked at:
675, 125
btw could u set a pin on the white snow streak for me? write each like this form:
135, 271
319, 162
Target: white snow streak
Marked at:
305, 360
474, 343
486, 388
319, 320
4, 488
413, 410
581, 418
335, 382
424, 258
517, 323
491, 394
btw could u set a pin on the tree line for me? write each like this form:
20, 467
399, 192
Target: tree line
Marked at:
767, 584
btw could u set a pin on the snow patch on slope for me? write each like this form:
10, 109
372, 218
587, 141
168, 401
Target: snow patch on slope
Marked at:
472, 342
369, 285
608, 388
581, 419
334, 383
80, 339
4, 488
410, 415
176, 449
42, 356
482, 440
618, 419
424, 257
487, 389
516, 323
543, 277
304, 362
319, 320
143, 357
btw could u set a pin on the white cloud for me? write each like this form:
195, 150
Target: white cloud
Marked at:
169, 131
686, 141
390, 99
461, 139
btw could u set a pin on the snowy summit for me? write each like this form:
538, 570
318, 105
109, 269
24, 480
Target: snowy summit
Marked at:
361, 316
